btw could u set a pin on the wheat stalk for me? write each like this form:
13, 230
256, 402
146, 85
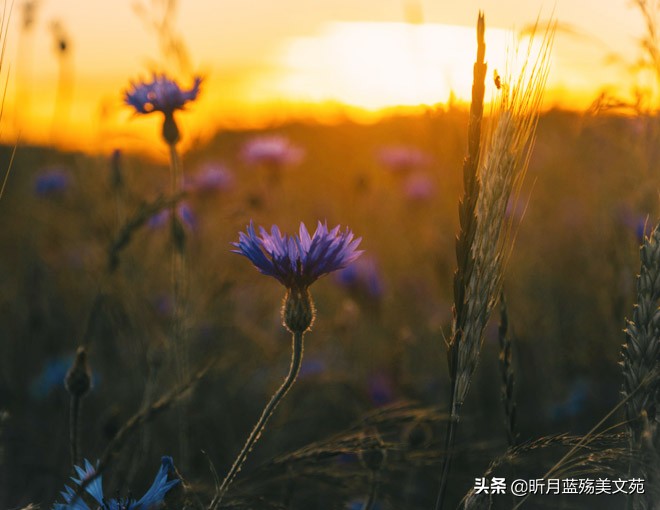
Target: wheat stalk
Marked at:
464, 242
483, 244
641, 378
507, 374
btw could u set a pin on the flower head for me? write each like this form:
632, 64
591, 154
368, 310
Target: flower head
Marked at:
51, 181
161, 94
151, 499
419, 187
363, 278
297, 261
273, 150
402, 158
184, 213
211, 177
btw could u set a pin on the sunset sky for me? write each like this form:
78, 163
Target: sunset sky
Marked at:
264, 61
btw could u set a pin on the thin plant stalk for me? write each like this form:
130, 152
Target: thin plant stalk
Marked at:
294, 369
464, 254
506, 373
77, 382
374, 485
74, 428
179, 347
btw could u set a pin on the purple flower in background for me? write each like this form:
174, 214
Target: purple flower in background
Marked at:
574, 402
153, 498
643, 228
161, 94
297, 261
419, 187
51, 377
158, 220
212, 177
401, 158
363, 277
187, 216
51, 181
163, 305
311, 367
183, 211
358, 504
380, 389
640, 224
516, 207
271, 150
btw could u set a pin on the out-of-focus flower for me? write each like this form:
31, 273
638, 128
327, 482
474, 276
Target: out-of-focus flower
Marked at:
161, 94
151, 499
212, 177
574, 402
515, 208
639, 224
312, 367
184, 213
380, 389
51, 181
362, 277
298, 261
419, 187
358, 504
402, 158
272, 150
162, 305
51, 377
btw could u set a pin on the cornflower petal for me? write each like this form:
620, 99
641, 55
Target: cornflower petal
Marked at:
159, 487
305, 238
95, 488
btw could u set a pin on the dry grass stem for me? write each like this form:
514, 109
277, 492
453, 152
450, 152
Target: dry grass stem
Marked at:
136, 221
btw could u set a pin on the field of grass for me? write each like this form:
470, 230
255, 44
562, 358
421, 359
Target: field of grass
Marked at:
374, 379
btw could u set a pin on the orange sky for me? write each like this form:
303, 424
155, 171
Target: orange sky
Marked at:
265, 60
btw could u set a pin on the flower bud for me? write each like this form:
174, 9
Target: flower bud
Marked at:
171, 133
78, 379
374, 455
298, 311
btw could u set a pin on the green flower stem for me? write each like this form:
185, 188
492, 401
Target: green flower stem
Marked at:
296, 361
179, 346
74, 428
373, 491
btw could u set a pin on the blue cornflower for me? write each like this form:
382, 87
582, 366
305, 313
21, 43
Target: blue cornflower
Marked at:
272, 150
161, 94
363, 278
151, 499
184, 213
298, 261
51, 181
164, 95
51, 376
